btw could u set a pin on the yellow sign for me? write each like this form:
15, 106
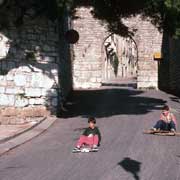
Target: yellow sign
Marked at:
157, 56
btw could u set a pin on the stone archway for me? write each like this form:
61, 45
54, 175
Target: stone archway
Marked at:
89, 52
119, 58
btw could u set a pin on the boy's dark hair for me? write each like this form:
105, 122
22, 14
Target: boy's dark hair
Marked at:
166, 108
92, 119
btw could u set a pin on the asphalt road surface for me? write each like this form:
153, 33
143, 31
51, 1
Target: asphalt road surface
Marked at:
125, 153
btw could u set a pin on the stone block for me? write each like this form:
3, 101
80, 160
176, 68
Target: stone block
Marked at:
36, 80
41, 80
2, 90
10, 84
10, 90
21, 102
93, 79
146, 85
32, 101
10, 111
20, 80
38, 111
33, 92
17, 121
3, 82
10, 77
19, 90
36, 101
147, 78
7, 100
5, 120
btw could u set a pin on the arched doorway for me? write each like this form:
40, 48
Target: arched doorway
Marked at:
120, 56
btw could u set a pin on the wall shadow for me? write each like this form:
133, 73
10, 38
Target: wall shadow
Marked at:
131, 166
17, 59
175, 99
163, 65
108, 102
38, 46
169, 66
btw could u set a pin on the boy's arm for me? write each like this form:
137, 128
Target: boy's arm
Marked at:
173, 118
85, 133
99, 135
163, 118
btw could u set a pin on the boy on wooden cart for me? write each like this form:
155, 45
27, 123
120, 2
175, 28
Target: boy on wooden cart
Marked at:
91, 136
167, 121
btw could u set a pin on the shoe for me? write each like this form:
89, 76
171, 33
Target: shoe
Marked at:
95, 146
173, 130
76, 149
153, 129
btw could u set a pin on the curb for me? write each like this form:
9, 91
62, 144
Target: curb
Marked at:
27, 135
22, 131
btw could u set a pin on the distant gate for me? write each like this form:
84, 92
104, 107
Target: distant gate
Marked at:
120, 57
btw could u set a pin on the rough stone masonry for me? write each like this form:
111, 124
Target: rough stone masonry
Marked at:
29, 65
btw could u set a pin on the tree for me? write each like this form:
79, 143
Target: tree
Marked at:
28, 8
164, 14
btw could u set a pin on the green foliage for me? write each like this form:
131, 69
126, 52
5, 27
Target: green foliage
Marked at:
165, 14
30, 55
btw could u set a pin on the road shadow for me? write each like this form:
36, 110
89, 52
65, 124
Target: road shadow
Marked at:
131, 166
175, 99
108, 102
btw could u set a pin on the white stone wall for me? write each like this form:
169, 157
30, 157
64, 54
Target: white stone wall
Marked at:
29, 66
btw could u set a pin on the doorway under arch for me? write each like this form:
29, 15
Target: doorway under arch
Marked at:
120, 59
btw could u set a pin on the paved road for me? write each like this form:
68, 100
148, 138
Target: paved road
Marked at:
125, 153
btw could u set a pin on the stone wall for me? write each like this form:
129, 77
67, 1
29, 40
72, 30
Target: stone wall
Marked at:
87, 62
174, 68
149, 41
29, 69
169, 67
88, 65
